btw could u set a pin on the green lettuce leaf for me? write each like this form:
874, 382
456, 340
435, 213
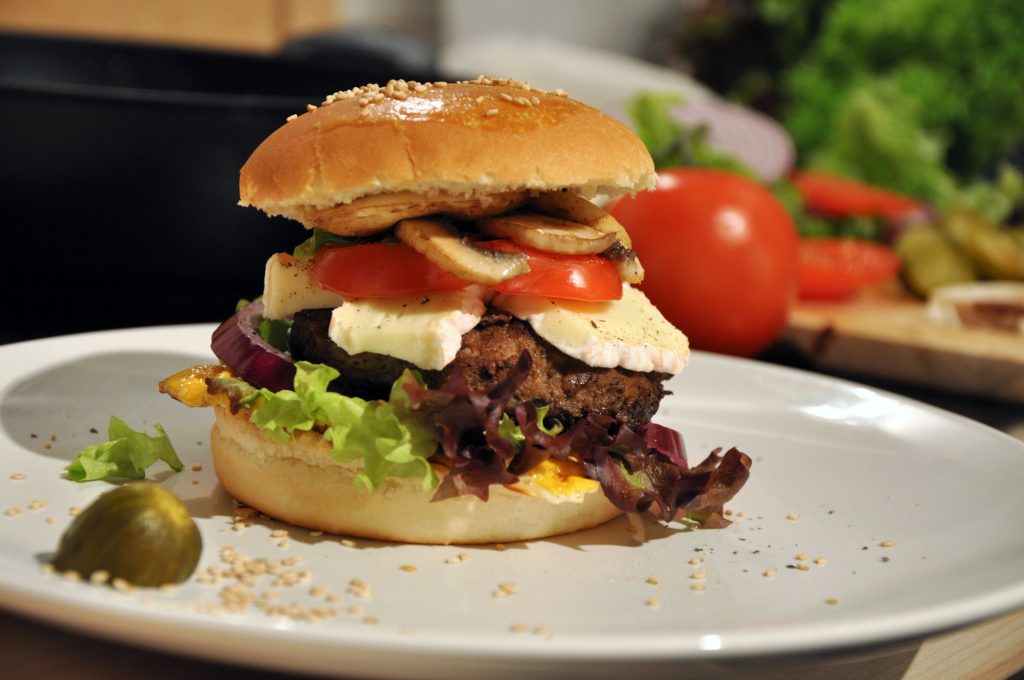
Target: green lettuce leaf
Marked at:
390, 439
125, 455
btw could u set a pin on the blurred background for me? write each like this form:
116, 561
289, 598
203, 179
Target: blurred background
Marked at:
124, 125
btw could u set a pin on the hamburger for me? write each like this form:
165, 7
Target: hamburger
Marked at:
458, 352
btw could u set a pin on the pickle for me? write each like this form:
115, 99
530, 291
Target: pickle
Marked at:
139, 532
959, 224
931, 261
998, 253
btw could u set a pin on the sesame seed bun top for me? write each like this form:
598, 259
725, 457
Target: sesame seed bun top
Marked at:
471, 138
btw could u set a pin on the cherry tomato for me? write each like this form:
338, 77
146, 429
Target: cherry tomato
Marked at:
720, 254
836, 268
839, 197
382, 270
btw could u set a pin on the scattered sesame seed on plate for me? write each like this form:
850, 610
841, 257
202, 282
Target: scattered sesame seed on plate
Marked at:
821, 561
698, 575
768, 573
802, 557
653, 603
887, 544
519, 628
696, 560
18, 476
832, 601
793, 516
408, 568
698, 587
652, 581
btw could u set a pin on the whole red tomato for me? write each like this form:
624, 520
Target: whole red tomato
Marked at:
720, 254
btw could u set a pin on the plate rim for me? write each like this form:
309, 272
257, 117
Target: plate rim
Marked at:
33, 601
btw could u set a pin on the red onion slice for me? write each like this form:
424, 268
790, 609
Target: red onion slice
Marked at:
749, 136
237, 342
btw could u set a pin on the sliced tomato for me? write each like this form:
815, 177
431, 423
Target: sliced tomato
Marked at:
839, 197
572, 277
379, 270
836, 268
383, 270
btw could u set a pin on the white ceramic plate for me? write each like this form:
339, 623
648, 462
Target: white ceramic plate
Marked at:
839, 470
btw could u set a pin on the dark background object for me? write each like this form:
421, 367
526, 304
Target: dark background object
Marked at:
119, 169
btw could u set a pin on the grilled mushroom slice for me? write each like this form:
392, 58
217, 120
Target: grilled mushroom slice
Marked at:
550, 234
569, 206
440, 243
373, 214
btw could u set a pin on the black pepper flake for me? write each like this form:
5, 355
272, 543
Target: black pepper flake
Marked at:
593, 324
33, 435
93, 430
885, 559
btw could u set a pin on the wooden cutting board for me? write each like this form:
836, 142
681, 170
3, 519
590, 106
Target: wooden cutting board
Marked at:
886, 333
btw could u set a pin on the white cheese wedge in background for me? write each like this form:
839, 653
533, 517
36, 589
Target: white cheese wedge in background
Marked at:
287, 288
426, 330
629, 333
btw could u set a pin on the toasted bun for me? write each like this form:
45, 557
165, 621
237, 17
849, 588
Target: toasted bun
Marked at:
300, 483
467, 139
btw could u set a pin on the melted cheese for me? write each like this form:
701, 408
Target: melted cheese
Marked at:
189, 386
629, 333
557, 481
426, 330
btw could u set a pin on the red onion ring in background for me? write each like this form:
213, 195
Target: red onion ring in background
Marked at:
237, 342
751, 137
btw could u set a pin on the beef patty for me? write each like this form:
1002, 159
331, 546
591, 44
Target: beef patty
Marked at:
571, 388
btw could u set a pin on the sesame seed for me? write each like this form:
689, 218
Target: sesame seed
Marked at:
793, 516
74, 511
832, 601
72, 575
18, 476
279, 533
48, 568
652, 580
696, 560
491, 112
348, 543
698, 575
13, 512
821, 561
99, 577
768, 573
371, 620
167, 587
500, 547
51, 520
802, 557
311, 107
506, 96
360, 588
519, 628
536, 100
803, 566
357, 610
197, 467
291, 117
480, 99
283, 544
408, 568
195, 482
653, 603
316, 533
887, 544
698, 587
452, 560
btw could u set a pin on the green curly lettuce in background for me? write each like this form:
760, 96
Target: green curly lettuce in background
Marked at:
919, 96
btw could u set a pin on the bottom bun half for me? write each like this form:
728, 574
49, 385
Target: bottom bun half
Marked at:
300, 483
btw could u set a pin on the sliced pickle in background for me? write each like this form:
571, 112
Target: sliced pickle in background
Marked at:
931, 261
998, 253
